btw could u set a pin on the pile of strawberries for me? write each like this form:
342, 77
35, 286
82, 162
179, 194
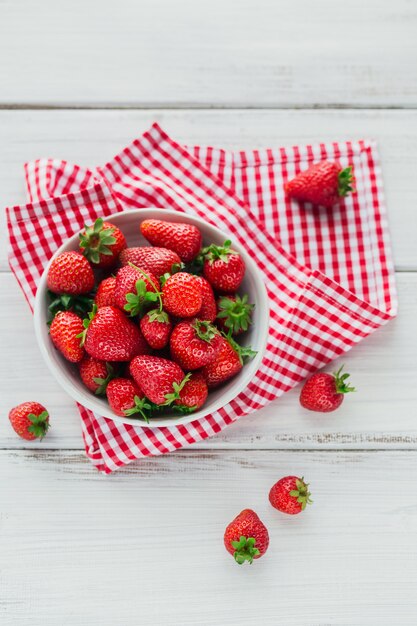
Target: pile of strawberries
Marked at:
150, 327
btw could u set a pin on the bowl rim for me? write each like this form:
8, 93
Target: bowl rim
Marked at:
247, 373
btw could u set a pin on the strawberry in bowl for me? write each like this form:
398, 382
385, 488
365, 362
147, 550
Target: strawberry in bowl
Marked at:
170, 328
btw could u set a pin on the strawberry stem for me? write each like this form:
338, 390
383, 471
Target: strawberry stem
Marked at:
213, 253
244, 550
204, 330
340, 381
345, 182
86, 323
156, 287
96, 240
236, 313
302, 493
40, 424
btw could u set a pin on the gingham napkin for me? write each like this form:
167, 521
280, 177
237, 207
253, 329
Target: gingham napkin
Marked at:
329, 273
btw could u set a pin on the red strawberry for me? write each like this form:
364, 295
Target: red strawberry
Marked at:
156, 328
226, 365
234, 314
158, 261
223, 267
70, 273
184, 239
246, 537
95, 374
30, 420
322, 184
290, 495
126, 399
135, 288
110, 336
159, 379
208, 309
193, 395
65, 333
102, 243
181, 295
105, 292
324, 392
194, 344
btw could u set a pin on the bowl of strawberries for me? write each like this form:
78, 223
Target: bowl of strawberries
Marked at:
152, 316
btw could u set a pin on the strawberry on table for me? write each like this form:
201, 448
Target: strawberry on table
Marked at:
109, 335
246, 537
184, 239
65, 332
30, 420
223, 267
194, 344
70, 273
126, 399
208, 309
156, 327
181, 295
102, 243
323, 184
105, 292
159, 379
324, 392
234, 313
95, 374
134, 289
193, 395
290, 495
157, 261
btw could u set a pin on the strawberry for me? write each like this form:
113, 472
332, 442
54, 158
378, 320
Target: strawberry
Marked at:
208, 309
161, 380
110, 336
157, 261
135, 288
246, 537
324, 392
102, 243
184, 239
70, 273
193, 395
181, 295
64, 331
126, 399
105, 292
228, 362
323, 184
290, 495
223, 267
30, 420
234, 314
95, 374
156, 328
194, 344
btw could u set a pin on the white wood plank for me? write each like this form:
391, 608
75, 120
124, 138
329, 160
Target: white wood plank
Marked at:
145, 545
382, 414
234, 53
93, 137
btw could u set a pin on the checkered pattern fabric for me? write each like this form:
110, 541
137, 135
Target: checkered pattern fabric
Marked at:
329, 273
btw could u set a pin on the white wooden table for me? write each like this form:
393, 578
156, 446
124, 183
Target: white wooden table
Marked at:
144, 546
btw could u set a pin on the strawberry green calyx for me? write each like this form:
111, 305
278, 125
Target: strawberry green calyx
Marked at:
205, 330
103, 382
185, 410
86, 323
345, 182
150, 296
143, 408
40, 424
135, 302
177, 388
236, 312
342, 386
302, 493
96, 240
158, 316
244, 550
213, 253
66, 302
244, 352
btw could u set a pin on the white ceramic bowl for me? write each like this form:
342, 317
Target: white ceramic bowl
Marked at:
66, 373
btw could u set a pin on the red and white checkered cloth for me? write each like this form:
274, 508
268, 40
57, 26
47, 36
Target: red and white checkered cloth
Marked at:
329, 273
